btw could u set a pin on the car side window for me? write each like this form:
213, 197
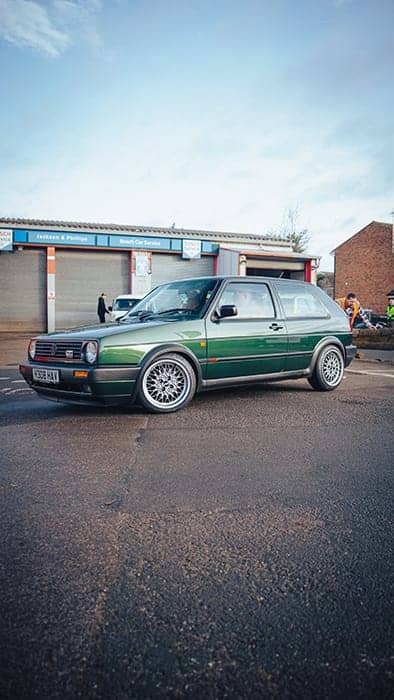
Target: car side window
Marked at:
253, 300
300, 302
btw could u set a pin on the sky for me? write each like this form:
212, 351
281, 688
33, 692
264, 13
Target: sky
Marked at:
207, 114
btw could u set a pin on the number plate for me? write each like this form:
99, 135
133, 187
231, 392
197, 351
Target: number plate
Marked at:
49, 376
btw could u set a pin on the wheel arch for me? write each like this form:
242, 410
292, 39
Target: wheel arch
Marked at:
177, 350
324, 342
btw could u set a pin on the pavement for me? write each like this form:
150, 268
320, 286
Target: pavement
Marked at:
376, 355
13, 350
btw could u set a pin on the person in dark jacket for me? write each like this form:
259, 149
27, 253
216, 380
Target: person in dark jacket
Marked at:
102, 308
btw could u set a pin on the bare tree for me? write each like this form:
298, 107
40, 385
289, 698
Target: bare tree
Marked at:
290, 230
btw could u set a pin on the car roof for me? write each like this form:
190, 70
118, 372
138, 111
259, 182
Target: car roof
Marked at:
239, 278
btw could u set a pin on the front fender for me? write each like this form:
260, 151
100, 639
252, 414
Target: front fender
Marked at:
174, 349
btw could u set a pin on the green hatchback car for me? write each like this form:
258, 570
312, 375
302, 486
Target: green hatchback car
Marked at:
195, 334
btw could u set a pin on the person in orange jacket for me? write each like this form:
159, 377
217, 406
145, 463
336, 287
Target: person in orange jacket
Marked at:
352, 307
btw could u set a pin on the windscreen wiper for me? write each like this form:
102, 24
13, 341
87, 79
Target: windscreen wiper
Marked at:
169, 311
143, 314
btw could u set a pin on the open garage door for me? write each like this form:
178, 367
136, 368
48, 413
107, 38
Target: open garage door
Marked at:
287, 269
81, 276
23, 290
166, 268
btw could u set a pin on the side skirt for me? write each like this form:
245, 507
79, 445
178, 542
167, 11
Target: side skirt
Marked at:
249, 379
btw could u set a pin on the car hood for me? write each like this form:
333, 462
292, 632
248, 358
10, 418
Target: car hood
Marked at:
107, 330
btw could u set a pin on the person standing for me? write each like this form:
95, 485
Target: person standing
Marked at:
390, 308
102, 307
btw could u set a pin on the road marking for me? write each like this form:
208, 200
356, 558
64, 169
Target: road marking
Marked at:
18, 381
366, 371
15, 391
5, 377
9, 391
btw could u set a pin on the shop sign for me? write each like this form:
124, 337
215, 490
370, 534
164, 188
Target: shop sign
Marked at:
61, 238
139, 242
5, 239
191, 248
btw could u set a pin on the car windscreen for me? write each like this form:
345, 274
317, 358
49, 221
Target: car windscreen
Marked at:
186, 297
124, 304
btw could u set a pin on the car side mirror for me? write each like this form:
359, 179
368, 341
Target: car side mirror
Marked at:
227, 310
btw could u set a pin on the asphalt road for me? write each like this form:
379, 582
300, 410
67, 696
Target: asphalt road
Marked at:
241, 548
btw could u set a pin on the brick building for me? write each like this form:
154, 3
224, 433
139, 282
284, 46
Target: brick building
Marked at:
364, 264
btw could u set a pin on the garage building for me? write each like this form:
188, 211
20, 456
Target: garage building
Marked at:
52, 272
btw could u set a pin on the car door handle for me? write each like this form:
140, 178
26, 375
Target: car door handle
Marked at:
275, 327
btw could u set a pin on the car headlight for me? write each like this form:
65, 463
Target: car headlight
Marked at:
32, 349
90, 351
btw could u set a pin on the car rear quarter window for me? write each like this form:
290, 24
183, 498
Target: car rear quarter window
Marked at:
300, 301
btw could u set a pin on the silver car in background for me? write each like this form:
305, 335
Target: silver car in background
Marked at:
121, 305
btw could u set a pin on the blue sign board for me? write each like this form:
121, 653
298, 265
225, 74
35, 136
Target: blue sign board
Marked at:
209, 247
176, 244
102, 241
20, 236
140, 242
189, 248
62, 238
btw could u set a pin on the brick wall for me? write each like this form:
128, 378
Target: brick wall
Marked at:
365, 265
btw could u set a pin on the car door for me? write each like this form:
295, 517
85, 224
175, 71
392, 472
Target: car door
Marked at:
254, 341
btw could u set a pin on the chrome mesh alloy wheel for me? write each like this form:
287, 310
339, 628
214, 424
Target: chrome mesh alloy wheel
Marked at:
167, 384
332, 367
329, 369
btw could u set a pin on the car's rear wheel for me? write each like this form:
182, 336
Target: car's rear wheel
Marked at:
167, 384
329, 369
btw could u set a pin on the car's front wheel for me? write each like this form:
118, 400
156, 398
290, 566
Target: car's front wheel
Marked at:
329, 368
167, 384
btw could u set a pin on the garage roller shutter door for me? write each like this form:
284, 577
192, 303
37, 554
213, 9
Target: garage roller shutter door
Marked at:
166, 268
23, 290
81, 277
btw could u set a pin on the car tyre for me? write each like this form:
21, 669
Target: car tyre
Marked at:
329, 369
167, 384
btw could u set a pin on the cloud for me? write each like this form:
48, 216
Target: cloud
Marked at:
26, 24
48, 29
77, 17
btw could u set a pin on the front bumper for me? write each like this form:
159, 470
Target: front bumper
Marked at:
350, 354
102, 385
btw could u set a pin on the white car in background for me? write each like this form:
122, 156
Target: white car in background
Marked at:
122, 305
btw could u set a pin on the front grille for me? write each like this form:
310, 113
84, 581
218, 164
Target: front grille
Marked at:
59, 350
